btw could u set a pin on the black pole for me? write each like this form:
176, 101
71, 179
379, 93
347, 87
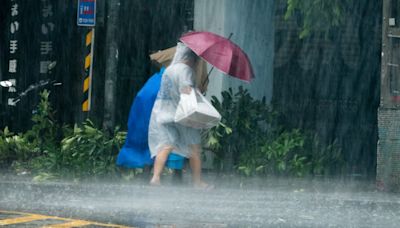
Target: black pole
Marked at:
112, 7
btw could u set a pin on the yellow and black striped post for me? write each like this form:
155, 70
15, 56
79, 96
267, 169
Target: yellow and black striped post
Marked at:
87, 83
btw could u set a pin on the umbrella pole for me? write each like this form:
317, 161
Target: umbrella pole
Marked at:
212, 68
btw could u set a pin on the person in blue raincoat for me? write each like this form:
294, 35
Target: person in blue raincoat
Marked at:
135, 152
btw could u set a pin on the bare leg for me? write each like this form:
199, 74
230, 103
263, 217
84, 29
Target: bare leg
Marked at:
161, 158
195, 165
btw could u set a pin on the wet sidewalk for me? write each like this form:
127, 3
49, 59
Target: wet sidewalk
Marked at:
234, 203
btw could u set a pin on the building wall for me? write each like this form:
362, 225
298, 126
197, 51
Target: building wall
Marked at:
209, 15
145, 26
251, 23
388, 156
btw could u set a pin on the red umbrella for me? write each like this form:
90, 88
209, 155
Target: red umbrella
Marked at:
221, 53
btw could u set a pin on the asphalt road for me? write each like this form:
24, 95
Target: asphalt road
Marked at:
234, 203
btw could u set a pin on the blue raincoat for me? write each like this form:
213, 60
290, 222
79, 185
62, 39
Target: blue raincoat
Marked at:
135, 153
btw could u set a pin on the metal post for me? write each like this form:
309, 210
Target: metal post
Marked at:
87, 83
111, 64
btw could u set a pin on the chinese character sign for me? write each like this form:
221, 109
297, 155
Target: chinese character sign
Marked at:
13, 44
46, 44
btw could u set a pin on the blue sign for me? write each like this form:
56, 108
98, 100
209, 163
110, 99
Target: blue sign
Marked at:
86, 12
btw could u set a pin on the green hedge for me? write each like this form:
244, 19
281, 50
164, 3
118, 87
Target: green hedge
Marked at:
49, 150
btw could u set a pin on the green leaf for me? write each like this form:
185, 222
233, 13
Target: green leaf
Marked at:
259, 168
281, 166
212, 141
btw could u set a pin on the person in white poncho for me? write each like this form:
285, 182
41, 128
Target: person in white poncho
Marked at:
164, 134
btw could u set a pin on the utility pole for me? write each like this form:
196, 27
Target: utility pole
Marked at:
112, 9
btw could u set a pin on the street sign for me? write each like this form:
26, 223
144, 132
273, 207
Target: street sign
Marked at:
86, 12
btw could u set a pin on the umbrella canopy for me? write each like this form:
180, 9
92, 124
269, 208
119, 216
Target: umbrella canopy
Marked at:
221, 53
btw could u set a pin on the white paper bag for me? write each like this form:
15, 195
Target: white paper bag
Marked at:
195, 111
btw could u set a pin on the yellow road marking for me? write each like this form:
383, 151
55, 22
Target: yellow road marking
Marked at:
23, 219
27, 217
79, 223
75, 223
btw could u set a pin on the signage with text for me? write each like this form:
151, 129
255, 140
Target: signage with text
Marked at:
86, 12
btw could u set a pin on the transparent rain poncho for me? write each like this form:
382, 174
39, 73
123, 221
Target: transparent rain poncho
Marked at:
163, 131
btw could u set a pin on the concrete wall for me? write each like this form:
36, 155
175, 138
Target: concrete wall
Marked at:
388, 157
209, 15
252, 25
